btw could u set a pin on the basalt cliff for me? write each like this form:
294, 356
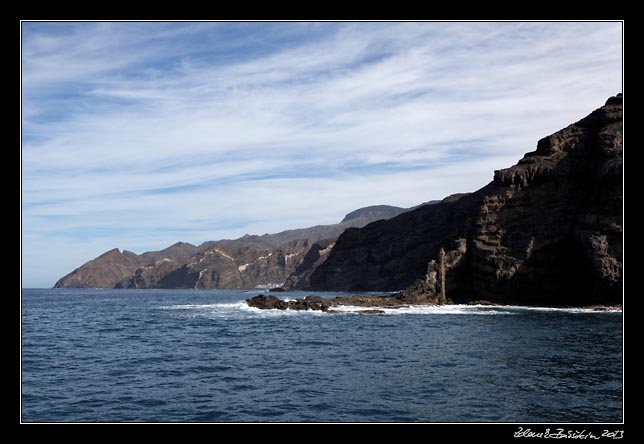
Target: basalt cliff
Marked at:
546, 231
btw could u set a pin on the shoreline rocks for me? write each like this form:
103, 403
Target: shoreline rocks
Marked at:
317, 303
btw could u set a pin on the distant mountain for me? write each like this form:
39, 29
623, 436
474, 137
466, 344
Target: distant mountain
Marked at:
113, 266
546, 231
247, 262
373, 213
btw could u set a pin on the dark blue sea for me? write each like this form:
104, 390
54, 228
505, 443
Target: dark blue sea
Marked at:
204, 356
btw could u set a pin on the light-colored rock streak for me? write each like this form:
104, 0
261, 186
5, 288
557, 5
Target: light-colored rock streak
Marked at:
214, 251
199, 278
223, 254
165, 259
289, 257
244, 267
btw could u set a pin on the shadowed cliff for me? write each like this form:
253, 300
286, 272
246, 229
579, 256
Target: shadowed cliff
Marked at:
545, 231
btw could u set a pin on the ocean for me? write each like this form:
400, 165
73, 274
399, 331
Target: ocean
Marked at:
204, 356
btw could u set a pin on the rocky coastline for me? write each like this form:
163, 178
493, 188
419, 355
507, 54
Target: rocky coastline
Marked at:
373, 303
547, 231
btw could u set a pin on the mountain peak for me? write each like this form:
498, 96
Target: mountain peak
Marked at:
374, 212
110, 253
615, 100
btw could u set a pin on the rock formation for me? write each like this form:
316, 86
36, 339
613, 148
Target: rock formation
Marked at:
248, 262
235, 265
113, 267
545, 231
317, 303
317, 254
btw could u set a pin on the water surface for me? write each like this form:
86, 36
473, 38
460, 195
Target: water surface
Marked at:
204, 356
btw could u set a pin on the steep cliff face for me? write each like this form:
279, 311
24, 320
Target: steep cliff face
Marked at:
237, 266
545, 231
299, 279
390, 255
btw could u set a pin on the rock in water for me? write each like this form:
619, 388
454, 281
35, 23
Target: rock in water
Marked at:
270, 302
545, 231
265, 302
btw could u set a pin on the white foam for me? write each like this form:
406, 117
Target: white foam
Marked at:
563, 309
232, 309
288, 312
200, 306
473, 309
427, 309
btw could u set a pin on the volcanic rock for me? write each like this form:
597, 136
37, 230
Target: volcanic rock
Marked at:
547, 231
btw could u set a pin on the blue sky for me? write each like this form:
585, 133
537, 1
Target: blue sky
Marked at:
138, 135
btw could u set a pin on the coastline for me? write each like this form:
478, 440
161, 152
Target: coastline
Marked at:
375, 304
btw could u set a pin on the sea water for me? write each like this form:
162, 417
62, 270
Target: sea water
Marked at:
205, 356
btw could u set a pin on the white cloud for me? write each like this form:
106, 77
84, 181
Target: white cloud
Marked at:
358, 114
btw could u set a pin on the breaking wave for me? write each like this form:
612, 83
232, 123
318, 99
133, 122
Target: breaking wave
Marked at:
242, 308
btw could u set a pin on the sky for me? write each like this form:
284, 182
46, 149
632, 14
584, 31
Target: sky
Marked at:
137, 135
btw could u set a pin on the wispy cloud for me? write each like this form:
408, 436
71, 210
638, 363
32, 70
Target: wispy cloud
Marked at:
137, 135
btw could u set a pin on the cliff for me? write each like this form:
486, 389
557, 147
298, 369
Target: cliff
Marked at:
316, 255
247, 262
545, 231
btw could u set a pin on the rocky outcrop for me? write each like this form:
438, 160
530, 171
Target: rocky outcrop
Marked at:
248, 262
317, 303
270, 302
545, 231
330, 305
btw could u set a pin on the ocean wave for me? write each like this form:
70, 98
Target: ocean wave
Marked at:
192, 306
233, 309
241, 307
564, 309
473, 309
427, 309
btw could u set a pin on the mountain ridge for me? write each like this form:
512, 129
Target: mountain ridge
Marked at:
246, 262
545, 231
